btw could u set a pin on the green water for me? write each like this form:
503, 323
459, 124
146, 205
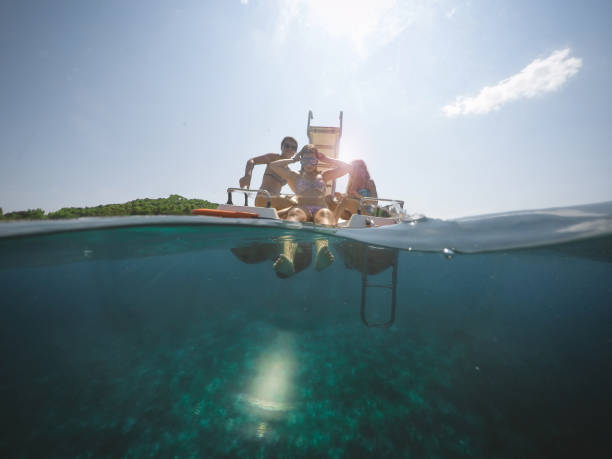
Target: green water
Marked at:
183, 341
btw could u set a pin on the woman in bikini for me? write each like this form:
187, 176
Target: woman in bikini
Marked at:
271, 182
360, 185
310, 187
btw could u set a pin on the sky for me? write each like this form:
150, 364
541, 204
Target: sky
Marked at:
458, 107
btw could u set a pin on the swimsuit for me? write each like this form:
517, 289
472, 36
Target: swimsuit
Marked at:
275, 176
270, 173
303, 185
312, 209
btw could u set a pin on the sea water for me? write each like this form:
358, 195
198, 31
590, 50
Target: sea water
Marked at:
486, 337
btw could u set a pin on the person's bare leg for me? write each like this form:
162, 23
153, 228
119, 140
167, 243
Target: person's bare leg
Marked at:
282, 213
284, 263
277, 202
323, 256
340, 209
325, 216
346, 208
261, 200
296, 214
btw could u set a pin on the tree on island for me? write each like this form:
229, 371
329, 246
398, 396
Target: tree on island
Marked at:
172, 205
30, 214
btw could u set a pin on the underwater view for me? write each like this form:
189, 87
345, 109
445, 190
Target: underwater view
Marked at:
167, 339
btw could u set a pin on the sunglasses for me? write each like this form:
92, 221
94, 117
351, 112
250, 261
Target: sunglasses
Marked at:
312, 160
290, 146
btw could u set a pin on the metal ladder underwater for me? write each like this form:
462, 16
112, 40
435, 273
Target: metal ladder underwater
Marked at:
365, 285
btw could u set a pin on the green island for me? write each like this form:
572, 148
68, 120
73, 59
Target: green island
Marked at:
172, 205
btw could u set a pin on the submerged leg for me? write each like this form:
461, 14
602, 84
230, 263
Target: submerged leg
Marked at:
323, 256
284, 263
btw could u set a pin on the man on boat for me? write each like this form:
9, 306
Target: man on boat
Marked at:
271, 182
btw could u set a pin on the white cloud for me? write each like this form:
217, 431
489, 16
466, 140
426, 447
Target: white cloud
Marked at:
539, 77
244, 2
365, 24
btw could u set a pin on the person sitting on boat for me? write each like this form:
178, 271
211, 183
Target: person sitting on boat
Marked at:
271, 182
360, 185
310, 187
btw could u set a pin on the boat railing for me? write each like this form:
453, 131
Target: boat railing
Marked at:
246, 192
363, 202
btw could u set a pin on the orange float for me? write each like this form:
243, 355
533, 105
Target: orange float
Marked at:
224, 213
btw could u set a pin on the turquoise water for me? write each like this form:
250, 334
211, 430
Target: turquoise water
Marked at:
182, 341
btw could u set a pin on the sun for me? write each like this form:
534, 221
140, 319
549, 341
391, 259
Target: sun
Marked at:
362, 23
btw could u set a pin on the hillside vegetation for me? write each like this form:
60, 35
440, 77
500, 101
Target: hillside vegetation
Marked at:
172, 205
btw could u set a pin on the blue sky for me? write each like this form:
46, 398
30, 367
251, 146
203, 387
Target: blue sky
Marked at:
457, 107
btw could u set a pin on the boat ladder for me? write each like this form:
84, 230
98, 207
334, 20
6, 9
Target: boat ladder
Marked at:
365, 285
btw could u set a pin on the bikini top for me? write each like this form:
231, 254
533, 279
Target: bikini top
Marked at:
304, 185
270, 173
